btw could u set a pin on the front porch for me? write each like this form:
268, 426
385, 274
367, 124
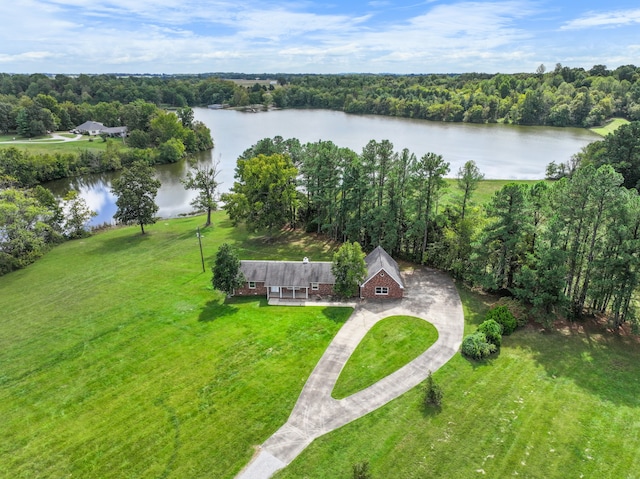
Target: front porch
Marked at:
311, 302
288, 292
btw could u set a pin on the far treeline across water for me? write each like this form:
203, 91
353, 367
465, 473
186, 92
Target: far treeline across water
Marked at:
561, 96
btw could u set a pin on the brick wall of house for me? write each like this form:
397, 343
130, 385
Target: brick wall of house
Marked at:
381, 279
323, 290
259, 290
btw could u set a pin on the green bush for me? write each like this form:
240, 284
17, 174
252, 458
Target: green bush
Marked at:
492, 330
502, 316
476, 346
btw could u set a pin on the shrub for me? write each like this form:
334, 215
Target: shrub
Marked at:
502, 316
361, 470
476, 346
519, 310
432, 393
492, 330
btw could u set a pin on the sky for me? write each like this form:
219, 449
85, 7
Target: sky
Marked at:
306, 36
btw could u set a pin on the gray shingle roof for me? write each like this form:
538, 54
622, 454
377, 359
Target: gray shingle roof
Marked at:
115, 130
287, 273
379, 259
90, 126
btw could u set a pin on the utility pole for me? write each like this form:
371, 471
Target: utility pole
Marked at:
200, 242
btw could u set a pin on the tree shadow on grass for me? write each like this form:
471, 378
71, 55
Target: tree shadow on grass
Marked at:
429, 410
260, 300
120, 243
292, 245
215, 310
481, 363
336, 314
594, 359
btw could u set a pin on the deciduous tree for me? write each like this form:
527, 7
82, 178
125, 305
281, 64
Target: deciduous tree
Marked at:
23, 229
136, 190
77, 215
265, 194
203, 180
226, 270
349, 269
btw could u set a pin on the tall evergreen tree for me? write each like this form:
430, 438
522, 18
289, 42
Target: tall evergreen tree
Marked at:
427, 181
469, 176
503, 242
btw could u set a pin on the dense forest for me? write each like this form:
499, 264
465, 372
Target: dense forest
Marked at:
563, 96
564, 247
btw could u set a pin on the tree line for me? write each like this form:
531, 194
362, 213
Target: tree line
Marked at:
564, 247
33, 220
562, 96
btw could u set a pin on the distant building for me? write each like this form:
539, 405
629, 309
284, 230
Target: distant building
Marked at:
93, 128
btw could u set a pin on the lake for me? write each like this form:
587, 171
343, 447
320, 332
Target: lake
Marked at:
500, 151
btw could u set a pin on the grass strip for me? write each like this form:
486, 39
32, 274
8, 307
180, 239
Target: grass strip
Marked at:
390, 344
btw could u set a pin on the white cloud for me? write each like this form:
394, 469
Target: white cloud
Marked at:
28, 56
74, 36
617, 18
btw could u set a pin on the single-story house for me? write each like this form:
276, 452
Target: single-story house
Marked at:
93, 128
383, 276
305, 279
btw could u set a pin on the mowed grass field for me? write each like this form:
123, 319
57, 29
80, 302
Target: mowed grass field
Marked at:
551, 405
611, 126
44, 145
117, 359
485, 190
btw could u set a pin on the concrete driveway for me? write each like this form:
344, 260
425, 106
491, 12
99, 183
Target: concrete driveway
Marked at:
430, 295
53, 138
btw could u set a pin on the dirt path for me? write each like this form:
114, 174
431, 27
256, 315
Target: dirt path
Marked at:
429, 295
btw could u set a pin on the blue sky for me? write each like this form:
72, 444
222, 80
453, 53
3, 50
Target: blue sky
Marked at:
433, 36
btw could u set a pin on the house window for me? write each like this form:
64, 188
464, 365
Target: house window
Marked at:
252, 285
382, 290
314, 286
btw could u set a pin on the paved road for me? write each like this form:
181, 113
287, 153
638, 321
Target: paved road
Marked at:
430, 295
54, 136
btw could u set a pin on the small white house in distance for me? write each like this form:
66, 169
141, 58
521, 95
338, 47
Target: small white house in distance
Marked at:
93, 128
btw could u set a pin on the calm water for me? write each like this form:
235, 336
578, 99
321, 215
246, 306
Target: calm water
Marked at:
500, 151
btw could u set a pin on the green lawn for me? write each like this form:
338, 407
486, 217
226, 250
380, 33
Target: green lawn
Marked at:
551, 405
397, 339
484, 192
44, 145
118, 360
610, 126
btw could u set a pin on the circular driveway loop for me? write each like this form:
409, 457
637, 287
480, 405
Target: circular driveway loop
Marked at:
429, 295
